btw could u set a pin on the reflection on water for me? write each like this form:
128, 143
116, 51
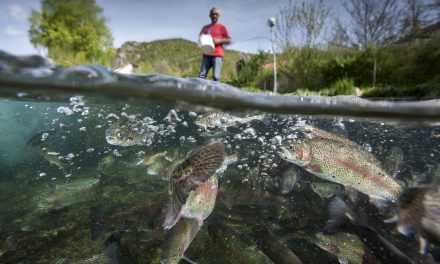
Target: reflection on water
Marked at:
87, 179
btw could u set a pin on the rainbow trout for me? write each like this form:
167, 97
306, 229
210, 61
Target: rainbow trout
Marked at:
236, 246
341, 163
193, 185
348, 248
419, 214
178, 239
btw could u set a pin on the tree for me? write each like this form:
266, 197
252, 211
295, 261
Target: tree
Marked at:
306, 19
286, 24
249, 69
340, 37
311, 19
74, 27
415, 17
436, 6
372, 21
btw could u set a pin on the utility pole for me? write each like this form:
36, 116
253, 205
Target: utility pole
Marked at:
271, 24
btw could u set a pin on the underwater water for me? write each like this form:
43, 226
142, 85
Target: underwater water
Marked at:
93, 163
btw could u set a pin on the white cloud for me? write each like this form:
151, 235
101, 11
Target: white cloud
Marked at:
17, 12
11, 30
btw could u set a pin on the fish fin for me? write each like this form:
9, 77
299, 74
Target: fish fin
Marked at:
112, 248
188, 260
393, 162
96, 216
405, 229
340, 216
392, 220
423, 244
197, 169
114, 237
368, 257
266, 119
342, 260
411, 206
173, 214
352, 193
381, 204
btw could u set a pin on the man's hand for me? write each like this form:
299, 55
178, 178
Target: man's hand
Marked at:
218, 41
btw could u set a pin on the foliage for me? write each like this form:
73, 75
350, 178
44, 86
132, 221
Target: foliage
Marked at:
175, 57
372, 21
312, 17
72, 30
420, 91
248, 69
342, 86
400, 69
252, 89
302, 67
308, 18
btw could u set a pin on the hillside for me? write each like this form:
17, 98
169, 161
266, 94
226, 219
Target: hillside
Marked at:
175, 57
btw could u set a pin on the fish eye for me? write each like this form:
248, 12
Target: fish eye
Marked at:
119, 134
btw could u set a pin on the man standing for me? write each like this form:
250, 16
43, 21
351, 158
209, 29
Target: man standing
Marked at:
220, 36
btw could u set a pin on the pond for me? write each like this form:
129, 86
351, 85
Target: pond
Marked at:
98, 167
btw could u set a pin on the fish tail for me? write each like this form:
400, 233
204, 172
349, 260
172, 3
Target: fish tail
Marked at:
172, 216
266, 119
341, 217
112, 247
96, 215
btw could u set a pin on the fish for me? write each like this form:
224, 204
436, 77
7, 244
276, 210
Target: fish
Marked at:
39, 138
229, 159
224, 120
317, 133
106, 162
52, 158
325, 190
236, 194
235, 246
8, 245
394, 161
66, 194
146, 161
275, 250
314, 132
193, 184
348, 248
343, 219
134, 215
178, 239
289, 178
130, 131
336, 162
109, 255
419, 214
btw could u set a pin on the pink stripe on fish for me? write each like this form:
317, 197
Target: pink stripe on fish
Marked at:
365, 173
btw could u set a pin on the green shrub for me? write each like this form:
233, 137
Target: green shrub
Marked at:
421, 91
343, 86
252, 89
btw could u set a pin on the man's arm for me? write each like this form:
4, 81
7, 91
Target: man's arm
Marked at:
225, 39
203, 31
218, 41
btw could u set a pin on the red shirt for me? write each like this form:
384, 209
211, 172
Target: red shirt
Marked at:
216, 30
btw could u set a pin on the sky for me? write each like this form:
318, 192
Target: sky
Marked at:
148, 20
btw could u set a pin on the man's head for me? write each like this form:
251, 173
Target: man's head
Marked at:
214, 14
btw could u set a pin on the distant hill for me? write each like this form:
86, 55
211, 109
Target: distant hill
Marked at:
175, 57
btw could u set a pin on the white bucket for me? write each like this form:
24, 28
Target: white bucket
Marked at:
206, 44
